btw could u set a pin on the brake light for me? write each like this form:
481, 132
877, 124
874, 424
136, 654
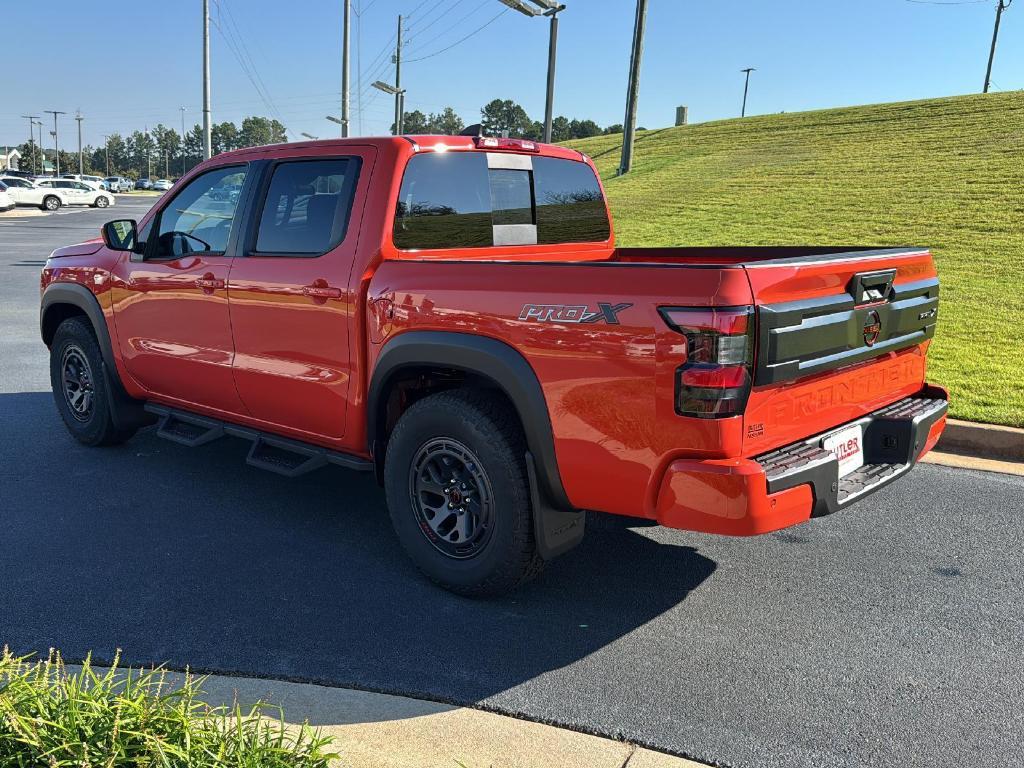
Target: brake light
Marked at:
714, 378
492, 142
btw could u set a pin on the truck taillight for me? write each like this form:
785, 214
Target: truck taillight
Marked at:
713, 380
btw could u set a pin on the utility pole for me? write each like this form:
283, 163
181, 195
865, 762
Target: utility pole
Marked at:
1001, 5
633, 92
207, 143
182, 140
31, 139
56, 143
346, 23
746, 86
79, 119
106, 150
399, 107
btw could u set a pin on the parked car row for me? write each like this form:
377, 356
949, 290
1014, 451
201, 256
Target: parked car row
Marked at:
50, 194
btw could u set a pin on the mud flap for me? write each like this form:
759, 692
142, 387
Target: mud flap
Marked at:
556, 530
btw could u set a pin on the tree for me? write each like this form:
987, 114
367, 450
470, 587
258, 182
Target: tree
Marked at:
29, 155
560, 129
615, 128
583, 129
194, 146
257, 131
505, 117
119, 158
224, 137
447, 123
140, 152
414, 122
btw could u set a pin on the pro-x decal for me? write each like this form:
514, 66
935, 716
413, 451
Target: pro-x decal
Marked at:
573, 313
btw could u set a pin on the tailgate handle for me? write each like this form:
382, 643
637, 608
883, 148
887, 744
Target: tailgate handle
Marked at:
871, 287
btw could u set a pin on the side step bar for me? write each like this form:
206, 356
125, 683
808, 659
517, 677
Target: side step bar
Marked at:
282, 455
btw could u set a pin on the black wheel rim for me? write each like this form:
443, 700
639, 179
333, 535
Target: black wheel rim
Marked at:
451, 498
77, 383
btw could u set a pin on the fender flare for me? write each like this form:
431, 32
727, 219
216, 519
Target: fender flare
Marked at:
126, 411
493, 360
81, 297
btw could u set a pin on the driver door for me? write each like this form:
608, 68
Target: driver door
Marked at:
171, 303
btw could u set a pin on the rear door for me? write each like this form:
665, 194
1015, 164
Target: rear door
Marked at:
293, 295
839, 335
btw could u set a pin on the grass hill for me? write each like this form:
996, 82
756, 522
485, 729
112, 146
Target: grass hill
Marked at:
944, 173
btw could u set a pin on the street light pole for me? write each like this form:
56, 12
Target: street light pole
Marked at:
746, 86
182, 140
345, 69
633, 92
56, 143
79, 119
551, 9
1001, 6
42, 155
106, 150
31, 139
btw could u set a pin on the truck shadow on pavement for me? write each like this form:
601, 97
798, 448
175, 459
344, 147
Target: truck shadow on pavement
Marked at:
189, 557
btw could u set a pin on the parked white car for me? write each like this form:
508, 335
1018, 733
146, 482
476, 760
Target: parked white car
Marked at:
76, 193
96, 182
6, 201
27, 192
162, 185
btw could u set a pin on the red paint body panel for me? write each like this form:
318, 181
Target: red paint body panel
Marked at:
263, 352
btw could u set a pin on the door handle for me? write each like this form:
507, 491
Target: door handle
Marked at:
208, 283
322, 291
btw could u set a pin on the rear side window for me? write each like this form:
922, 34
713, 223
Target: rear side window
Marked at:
307, 207
454, 200
445, 202
570, 206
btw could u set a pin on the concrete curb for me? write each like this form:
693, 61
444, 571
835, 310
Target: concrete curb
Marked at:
377, 730
987, 441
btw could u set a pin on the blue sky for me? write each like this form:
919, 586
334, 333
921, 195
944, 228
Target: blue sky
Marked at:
136, 61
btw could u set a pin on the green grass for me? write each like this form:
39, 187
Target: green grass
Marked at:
943, 173
51, 718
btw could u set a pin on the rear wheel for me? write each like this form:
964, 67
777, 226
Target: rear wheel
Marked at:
102, 201
51, 203
458, 494
80, 387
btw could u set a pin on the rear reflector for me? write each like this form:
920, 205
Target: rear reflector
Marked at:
491, 142
714, 378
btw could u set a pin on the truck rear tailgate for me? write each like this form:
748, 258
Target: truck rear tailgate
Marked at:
839, 335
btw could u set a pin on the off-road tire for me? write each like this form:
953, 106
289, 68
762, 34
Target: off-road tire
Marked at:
75, 341
491, 431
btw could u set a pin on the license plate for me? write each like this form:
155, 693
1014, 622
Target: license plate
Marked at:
847, 445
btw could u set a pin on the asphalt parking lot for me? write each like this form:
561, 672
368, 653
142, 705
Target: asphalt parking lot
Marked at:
890, 634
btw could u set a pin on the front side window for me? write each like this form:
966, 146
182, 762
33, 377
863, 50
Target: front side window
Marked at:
454, 200
199, 218
307, 207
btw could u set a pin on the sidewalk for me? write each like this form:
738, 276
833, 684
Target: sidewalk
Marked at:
375, 730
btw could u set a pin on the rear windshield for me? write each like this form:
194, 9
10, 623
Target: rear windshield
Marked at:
460, 200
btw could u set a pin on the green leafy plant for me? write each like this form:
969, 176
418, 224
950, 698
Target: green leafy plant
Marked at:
51, 717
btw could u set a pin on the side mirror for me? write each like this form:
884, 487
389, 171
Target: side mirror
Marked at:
120, 235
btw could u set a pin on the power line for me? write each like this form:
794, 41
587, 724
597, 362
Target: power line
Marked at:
463, 39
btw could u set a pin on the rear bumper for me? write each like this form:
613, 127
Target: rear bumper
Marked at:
744, 497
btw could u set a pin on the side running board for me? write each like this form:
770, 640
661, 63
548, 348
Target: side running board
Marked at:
282, 455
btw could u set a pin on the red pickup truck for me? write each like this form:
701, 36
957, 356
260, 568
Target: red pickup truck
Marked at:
451, 313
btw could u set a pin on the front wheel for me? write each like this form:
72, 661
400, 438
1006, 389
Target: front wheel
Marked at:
458, 494
51, 203
79, 386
